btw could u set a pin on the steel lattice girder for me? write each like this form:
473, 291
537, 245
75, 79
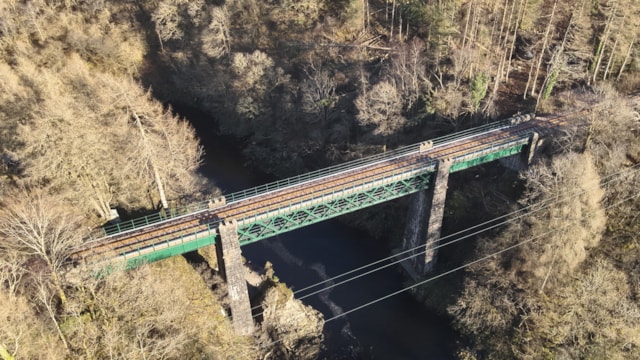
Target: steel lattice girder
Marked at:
489, 156
252, 231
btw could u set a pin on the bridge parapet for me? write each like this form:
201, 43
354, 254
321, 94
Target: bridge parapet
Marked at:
175, 213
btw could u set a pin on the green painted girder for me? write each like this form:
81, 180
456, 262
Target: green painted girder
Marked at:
327, 206
487, 157
250, 231
278, 222
162, 250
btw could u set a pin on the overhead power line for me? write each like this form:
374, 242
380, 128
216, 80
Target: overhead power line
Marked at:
465, 265
511, 217
448, 272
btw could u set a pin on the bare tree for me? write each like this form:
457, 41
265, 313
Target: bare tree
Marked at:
12, 270
381, 107
167, 18
604, 38
577, 221
318, 93
33, 224
46, 299
74, 140
25, 334
409, 71
543, 49
255, 75
514, 287
216, 38
69, 139
632, 43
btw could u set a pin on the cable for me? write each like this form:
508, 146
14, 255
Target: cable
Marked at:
435, 277
545, 204
461, 267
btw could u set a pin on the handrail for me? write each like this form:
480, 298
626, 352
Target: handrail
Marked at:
520, 137
194, 208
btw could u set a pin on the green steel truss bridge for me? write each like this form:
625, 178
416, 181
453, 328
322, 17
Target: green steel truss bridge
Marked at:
292, 203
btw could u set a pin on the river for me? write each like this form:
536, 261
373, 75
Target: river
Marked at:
396, 328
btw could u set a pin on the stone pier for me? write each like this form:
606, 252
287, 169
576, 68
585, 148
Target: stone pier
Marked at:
424, 223
436, 213
209, 253
232, 269
414, 234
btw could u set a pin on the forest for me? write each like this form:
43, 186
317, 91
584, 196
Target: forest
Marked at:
87, 127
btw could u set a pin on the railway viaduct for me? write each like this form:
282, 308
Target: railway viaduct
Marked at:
255, 214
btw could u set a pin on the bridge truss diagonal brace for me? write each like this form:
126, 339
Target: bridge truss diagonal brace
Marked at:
316, 210
230, 262
434, 224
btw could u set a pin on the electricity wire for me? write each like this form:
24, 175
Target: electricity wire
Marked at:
486, 257
448, 272
511, 218
608, 179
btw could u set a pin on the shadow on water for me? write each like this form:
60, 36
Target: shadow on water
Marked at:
395, 328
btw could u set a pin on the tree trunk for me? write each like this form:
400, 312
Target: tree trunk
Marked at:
101, 206
544, 47
626, 58
368, 14
466, 26
526, 88
610, 61
59, 290
154, 168
556, 59
393, 16
513, 39
504, 18
602, 44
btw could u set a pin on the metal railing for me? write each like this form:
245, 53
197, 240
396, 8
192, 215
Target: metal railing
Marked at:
194, 208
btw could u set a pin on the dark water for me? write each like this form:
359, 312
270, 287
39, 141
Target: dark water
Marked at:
395, 328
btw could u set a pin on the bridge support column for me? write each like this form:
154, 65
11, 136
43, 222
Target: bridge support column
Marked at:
434, 225
522, 160
209, 253
232, 269
414, 234
424, 222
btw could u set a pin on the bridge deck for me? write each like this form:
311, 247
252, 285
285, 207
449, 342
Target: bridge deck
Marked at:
281, 206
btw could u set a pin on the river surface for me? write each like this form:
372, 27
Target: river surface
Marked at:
395, 328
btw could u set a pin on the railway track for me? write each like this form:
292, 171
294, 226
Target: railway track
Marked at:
261, 204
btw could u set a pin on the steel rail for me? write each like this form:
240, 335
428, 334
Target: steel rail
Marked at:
254, 212
310, 176
288, 189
